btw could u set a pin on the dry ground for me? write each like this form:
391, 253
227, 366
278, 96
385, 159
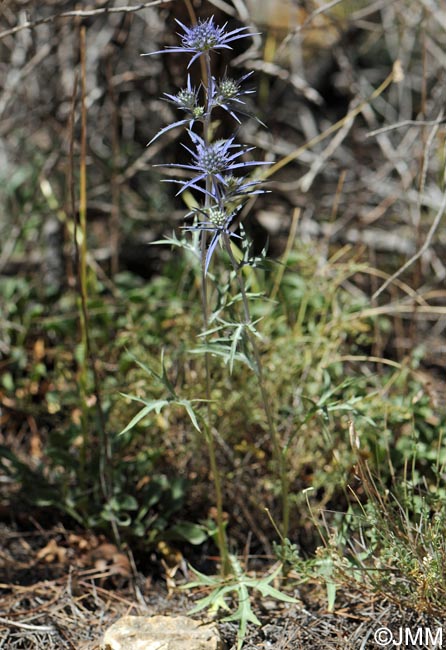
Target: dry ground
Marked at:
62, 589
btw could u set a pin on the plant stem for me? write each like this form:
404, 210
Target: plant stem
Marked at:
221, 533
88, 444
82, 271
279, 455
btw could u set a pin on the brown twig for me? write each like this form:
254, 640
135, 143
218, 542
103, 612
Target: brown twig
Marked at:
432, 229
25, 626
84, 13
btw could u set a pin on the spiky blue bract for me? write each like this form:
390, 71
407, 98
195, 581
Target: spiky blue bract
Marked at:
218, 222
185, 100
227, 93
203, 37
213, 160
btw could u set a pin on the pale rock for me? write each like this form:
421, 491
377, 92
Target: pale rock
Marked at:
161, 633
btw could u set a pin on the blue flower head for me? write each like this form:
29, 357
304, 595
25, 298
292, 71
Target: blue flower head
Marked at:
185, 100
204, 37
213, 160
227, 93
217, 220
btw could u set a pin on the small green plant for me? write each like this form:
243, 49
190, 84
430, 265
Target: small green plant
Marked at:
158, 405
391, 541
147, 501
241, 585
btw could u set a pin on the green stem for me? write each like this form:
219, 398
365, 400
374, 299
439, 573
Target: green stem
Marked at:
279, 455
82, 270
88, 443
221, 533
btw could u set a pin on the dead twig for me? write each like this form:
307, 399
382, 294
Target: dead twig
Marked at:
419, 253
84, 13
432, 229
46, 629
404, 123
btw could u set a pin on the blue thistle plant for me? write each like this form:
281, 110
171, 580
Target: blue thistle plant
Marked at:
212, 161
218, 174
217, 170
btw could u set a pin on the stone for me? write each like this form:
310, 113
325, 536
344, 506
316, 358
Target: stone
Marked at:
161, 633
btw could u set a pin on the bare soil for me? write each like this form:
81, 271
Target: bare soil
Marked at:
61, 589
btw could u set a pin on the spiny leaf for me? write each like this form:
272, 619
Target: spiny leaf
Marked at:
224, 351
155, 405
239, 584
267, 590
189, 410
202, 580
213, 602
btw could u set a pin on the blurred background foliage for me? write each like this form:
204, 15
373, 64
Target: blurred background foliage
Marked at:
358, 204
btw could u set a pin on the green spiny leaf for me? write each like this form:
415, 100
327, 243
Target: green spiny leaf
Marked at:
155, 405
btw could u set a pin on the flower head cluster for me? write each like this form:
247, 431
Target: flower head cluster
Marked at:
216, 165
227, 94
213, 162
187, 100
217, 221
204, 37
